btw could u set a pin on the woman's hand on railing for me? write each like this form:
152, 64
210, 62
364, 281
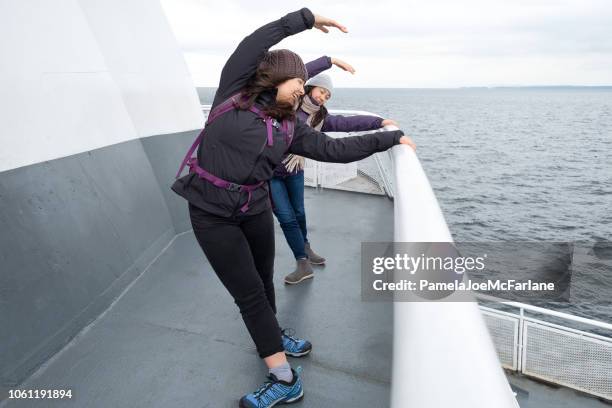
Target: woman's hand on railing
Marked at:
407, 141
389, 122
322, 23
343, 65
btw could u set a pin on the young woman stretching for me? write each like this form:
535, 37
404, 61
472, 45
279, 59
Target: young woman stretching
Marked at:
249, 129
287, 185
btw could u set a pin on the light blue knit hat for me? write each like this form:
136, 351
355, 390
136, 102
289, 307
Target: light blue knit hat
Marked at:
322, 80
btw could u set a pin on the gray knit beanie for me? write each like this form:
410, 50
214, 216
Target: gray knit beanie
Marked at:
322, 80
284, 63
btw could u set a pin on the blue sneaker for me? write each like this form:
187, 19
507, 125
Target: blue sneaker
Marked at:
295, 347
275, 391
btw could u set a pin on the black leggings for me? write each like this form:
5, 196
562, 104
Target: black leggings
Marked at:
241, 252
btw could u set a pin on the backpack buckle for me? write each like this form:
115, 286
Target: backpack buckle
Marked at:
233, 187
273, 122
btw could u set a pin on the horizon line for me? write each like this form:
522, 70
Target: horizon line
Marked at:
460, 87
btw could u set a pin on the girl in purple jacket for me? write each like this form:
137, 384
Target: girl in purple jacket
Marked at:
287, 185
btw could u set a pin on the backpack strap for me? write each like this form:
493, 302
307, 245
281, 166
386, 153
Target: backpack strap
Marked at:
192, 149
267, 119
225, 106
289, 129
221, 183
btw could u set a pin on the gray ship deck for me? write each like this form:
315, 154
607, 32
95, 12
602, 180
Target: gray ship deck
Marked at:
174, 338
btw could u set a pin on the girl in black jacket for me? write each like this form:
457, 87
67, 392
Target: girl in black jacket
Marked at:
229, 203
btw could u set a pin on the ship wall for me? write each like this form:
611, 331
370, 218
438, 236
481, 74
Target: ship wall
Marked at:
97, 108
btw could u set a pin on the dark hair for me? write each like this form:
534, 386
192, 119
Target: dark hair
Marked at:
264, 80
321, 113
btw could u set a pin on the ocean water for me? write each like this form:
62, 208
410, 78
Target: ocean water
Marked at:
514, 164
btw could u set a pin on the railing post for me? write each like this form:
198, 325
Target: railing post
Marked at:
520, 341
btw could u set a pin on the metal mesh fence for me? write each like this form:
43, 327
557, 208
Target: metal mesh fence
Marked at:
576, 360
370, 175
504, 333
557, 354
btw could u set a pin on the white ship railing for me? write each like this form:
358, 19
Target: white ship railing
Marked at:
443, 355
535, 347
546, 347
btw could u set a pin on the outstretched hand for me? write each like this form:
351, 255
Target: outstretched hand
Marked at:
407, 141
389, 122
343, 65
322, 23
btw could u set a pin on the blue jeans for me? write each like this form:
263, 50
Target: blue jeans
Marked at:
288, 201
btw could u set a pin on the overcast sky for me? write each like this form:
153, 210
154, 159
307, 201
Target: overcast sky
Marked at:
422, 44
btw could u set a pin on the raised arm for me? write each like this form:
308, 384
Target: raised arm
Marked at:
323, 63
243, 63
316, 145
315, 67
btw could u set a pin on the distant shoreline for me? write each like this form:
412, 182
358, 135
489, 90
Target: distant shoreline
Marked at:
526, 87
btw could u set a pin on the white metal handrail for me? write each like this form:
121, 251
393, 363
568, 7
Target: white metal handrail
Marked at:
419, 219
548, 312
440, 349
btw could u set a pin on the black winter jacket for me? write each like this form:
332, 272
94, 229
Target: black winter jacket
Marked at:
234, 145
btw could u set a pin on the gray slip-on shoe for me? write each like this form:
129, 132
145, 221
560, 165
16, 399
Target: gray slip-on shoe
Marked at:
303, 271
